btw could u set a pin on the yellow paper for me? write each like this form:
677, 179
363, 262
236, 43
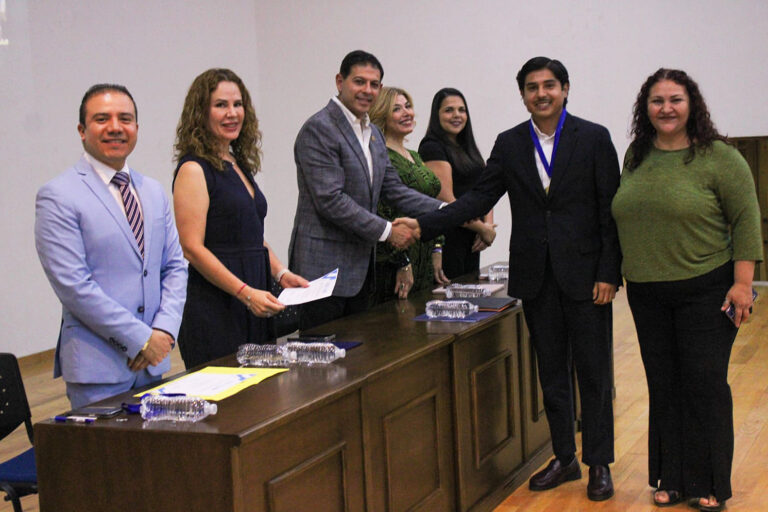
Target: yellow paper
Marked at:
215, 382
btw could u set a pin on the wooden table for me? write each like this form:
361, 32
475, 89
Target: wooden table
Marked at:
423, 415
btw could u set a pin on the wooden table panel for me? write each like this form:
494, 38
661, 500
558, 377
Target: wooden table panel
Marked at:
409, 437
487, 397
317, 457
421, 416
534, 418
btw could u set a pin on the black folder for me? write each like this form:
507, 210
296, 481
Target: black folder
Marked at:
493, 303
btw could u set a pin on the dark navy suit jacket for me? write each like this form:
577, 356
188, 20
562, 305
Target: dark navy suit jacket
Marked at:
572, 224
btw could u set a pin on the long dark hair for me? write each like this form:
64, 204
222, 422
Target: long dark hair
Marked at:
699, 128
463, 152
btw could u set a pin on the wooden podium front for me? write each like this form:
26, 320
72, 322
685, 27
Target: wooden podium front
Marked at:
422, 416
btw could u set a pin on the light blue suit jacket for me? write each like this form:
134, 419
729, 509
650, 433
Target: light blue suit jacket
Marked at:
336, 223
111, 298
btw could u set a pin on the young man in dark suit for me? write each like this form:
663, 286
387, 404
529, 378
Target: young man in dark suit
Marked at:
564, 261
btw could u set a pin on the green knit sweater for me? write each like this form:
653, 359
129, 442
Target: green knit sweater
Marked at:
678, 221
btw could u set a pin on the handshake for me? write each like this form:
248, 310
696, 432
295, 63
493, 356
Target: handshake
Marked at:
405, 232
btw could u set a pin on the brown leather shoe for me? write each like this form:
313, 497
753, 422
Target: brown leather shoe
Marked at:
600, 486
555, 474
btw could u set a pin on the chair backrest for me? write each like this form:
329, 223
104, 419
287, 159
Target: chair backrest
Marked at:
14, 408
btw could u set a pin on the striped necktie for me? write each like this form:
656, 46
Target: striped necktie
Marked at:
132, 211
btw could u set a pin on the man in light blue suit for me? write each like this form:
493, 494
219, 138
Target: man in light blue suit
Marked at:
111, 252
343, 169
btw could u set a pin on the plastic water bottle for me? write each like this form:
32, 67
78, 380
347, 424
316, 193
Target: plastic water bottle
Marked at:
315, 353
450, 309
175, 408
251, 354
498, 272
465, 291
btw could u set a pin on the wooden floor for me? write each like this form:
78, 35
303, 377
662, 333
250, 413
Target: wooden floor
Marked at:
749, 383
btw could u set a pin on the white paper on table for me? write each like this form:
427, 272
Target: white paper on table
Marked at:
215, 382
203, 384
320, 288
491, 287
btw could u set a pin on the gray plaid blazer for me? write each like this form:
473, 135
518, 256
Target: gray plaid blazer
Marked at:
336, 223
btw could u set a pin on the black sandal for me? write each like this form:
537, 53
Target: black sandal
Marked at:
711, 508
675, 497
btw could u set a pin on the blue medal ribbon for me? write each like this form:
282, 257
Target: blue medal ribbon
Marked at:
547, 165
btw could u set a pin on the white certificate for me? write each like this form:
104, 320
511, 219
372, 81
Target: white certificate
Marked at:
320, 288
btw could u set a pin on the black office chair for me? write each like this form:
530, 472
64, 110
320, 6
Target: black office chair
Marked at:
18, 476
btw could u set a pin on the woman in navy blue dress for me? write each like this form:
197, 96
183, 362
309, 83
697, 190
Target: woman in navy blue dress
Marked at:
220, 215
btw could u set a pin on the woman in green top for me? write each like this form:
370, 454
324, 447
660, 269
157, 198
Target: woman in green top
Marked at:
689, 228
420, 266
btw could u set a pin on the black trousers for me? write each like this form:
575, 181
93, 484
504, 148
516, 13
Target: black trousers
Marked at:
322, 311
685, 341
563, 332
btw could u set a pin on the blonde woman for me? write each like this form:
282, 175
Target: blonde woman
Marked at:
420, 266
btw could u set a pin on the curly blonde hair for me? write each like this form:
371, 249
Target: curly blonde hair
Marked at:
193, 135
382, 107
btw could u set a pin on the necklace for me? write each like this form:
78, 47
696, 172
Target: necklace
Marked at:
402, 151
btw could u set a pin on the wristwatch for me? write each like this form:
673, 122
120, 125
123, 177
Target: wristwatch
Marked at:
401, 260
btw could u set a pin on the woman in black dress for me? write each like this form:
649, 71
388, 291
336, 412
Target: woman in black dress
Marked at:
220, 217
450, 151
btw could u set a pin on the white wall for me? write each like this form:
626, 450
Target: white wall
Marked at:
56, 51
288, 52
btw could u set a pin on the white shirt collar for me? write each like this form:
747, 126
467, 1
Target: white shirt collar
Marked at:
352, 118
105, 172
541, 134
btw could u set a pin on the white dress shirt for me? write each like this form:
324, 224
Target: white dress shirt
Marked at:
547, 145
106, 173
362, 129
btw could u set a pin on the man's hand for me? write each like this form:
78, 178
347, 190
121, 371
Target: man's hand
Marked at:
413, 224
160, 345
405, 231
138, 363
603, 293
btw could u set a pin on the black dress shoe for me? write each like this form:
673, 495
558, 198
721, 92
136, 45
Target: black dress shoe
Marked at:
600, 486
555, 474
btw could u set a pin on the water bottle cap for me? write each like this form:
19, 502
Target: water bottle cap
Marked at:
213, 408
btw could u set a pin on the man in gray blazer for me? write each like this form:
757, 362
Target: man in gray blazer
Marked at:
343, 170
108, 244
